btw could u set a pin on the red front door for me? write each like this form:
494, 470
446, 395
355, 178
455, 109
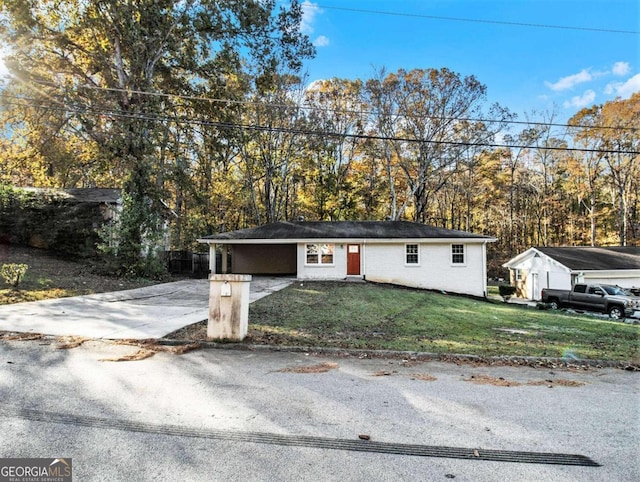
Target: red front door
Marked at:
353, 259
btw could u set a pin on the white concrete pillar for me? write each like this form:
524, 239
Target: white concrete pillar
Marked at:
225, 254
228, 306
212, 258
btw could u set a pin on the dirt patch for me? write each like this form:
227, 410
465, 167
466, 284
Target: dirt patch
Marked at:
319, 368
383, 373
424, 377
51, 276
559, 382
487, 380
196, 331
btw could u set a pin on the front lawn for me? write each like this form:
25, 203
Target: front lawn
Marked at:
355, 315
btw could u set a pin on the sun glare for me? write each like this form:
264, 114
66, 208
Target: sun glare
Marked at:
3, 68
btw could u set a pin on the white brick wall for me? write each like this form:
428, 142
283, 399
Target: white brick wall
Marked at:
338, 270
385, 263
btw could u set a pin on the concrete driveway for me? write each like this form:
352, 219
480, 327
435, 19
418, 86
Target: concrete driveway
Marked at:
149, 312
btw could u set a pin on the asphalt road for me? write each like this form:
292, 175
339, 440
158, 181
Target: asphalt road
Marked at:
251, 415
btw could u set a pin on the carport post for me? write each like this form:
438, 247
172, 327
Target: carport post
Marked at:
212, 258
228, 306
225, 254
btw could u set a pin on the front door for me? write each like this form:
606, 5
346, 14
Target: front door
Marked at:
353, 260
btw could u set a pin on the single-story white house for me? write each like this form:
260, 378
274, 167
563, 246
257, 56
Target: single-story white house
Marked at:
397, 252
562, 267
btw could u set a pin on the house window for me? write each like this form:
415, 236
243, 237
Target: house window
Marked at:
320, 254
457, 254
518, 275
412, 255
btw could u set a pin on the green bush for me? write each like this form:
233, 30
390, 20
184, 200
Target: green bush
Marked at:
506, 291
13, 273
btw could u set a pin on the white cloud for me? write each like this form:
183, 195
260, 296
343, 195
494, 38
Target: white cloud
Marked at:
570, 81
321, 41
580, 101
309, 12
621, 68
624, 89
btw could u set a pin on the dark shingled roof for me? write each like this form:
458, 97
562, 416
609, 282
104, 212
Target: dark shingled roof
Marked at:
595, 258
344, 230
80, 195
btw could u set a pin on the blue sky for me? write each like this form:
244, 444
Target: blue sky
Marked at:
525, 68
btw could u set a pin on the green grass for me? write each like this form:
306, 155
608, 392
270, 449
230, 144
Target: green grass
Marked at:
381, 317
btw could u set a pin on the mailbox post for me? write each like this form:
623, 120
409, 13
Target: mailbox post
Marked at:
228, 306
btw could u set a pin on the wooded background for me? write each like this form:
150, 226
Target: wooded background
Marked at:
202, 105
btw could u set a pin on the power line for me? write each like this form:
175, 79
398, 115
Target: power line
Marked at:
294, 131
342, 111
475, 20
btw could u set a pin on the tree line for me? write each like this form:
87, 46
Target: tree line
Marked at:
201, 106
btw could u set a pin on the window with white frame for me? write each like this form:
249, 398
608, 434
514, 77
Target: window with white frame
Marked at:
412, 254
457, 254
320, 254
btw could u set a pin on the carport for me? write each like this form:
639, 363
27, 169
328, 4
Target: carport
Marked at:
256, 259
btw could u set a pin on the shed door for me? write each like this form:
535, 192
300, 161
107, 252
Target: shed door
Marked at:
353, 259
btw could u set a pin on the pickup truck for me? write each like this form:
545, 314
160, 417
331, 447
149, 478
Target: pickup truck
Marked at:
615, 301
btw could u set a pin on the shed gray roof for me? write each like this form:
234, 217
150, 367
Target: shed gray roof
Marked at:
344, 230
81, 195
595, 258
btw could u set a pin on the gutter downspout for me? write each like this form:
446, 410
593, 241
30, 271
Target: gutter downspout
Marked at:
484, 269
364, 260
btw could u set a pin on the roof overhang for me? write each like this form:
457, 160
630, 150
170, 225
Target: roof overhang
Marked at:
351, 241
609, 273
513, 263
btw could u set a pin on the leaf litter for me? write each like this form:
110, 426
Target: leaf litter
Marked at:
319, 368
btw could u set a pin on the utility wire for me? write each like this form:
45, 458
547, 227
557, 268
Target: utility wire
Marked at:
289, 130
341, 111
475, 20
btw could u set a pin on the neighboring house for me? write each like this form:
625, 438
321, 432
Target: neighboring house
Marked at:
562, 267
64, 220
108, 201
397, 252
60, 220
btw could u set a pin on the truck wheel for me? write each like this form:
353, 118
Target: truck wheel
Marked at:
616, 313
554, 304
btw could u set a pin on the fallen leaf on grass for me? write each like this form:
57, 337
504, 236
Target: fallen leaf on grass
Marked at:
381, 373
487, 380
319, 368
